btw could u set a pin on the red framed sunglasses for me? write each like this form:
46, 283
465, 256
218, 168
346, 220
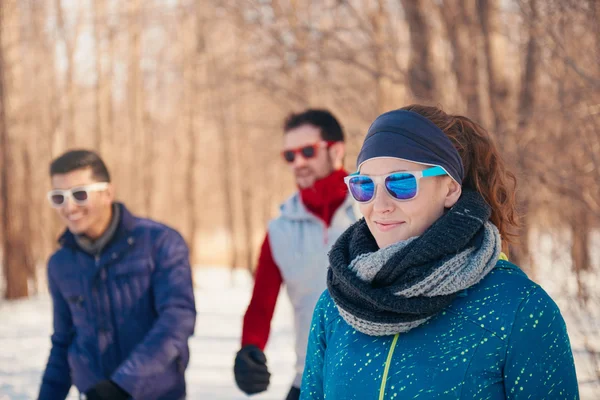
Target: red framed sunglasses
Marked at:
308, 151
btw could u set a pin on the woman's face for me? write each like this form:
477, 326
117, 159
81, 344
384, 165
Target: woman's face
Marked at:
390, 220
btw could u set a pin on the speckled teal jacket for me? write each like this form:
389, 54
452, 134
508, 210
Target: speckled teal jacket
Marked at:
504, 338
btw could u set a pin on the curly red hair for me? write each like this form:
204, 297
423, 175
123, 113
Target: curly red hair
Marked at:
485, 170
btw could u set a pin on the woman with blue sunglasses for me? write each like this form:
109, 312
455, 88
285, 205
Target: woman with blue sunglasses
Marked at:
421, 301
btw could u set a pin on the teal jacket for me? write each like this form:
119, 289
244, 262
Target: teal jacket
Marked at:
504, 338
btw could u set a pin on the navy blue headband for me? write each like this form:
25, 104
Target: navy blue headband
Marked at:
410, 136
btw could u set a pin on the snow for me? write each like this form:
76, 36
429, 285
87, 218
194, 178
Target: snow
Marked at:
222, 297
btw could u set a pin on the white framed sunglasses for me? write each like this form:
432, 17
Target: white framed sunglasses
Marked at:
78, 195
401, 186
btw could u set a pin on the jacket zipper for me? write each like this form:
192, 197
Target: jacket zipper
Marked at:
111, 312
386, 370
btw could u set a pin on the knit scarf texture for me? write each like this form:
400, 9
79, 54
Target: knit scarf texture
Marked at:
94, 247
398, 288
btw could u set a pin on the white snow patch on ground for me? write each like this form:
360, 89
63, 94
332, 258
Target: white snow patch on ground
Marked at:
222, 298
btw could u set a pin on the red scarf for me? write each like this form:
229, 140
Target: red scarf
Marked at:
326, 195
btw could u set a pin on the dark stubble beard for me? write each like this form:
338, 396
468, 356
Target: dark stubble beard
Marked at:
312, 171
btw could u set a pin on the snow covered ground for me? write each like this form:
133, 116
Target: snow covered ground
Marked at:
222, 298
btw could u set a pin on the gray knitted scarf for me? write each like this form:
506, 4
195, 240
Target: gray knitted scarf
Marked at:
94, 247
392, 290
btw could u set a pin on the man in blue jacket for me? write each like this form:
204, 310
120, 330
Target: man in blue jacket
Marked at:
122, 292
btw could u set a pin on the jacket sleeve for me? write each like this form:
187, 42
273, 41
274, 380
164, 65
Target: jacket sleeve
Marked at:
267, 283
312, 378
173, 292
56, 381
539, 360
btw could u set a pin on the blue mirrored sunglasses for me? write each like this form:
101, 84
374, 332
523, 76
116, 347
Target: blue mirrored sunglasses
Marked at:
400, 186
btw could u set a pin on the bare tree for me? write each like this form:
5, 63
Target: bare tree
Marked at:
225, 133
193, 51
70, 45
519, 144
247, 177
379, 22
16, 252
141, 172
495, 49
102, 92
423, 79
462, 25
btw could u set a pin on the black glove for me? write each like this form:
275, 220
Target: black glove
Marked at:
250, 369
106, 390
294, 394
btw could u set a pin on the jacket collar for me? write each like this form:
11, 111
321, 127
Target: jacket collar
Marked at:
124, 229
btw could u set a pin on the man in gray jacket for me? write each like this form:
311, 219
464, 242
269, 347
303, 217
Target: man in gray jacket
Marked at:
295, 248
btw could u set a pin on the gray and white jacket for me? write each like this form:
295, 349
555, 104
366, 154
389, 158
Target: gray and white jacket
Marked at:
300, 243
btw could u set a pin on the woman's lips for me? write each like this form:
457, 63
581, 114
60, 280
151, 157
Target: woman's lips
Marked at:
385, 226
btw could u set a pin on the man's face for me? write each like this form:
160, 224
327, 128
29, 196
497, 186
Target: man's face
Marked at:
89, 219
307, 170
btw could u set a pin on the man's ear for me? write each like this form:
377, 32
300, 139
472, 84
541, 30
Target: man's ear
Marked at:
337, 151
454, 190
110, 192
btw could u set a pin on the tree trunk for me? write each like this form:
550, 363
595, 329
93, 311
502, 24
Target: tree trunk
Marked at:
520, 253
101, 89
46, 114
422, 75
460, 19
378, 21
580, 256
247, 177
70, 47
594, 18
193, 51
226, 172
137, 141
529, 81
109, 134
495, 51
301, 79
16, 257
26, 218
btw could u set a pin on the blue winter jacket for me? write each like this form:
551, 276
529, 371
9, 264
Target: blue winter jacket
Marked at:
504, 338
125, 315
